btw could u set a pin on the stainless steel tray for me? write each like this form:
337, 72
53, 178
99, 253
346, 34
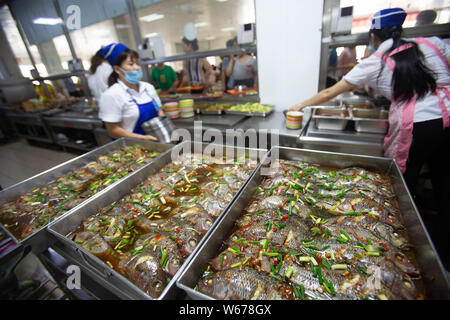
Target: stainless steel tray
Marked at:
7, 242
433, 273
373, 121
328, 118
49, 175
251, 114
211, 112
101, 271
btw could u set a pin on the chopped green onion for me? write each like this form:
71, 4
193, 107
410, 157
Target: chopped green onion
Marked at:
274, 271
339, 267
326, 264
345, 234
266, 244
164, 259
234, 251
276, 277
279, 213
288, 273
376, 254
270, 254
365, 271
329, 287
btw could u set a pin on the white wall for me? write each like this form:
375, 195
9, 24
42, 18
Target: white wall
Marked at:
288, 50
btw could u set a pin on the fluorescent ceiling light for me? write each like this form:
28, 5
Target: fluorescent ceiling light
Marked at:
121, 26
151, 35
210, 38
221, 0
201, 24
151, 17
47, 21
227, 29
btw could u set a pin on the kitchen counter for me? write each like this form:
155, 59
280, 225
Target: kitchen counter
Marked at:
226, 98
343, 141
308, 137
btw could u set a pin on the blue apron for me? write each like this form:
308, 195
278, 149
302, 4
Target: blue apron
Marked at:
147, 111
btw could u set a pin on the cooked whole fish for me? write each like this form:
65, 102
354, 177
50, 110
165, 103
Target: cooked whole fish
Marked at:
154, 228
322, 232
245, 283
38, 207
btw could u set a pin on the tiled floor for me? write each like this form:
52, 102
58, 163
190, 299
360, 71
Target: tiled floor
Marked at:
19, 161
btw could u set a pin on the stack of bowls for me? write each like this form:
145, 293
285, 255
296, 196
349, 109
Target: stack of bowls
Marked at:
171, 109
187, 108
294, 119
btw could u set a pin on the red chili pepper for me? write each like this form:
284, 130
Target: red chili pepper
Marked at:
384, 246
182, 251
275, 263
177, 230
274, 229
20, 199
179, 242
159, 235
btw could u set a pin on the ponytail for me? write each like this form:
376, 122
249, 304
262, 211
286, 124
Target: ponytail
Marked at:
410, 76
112, 79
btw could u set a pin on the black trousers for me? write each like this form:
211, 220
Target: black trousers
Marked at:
431, 145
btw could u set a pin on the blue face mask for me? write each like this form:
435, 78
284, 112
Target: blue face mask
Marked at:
133, 76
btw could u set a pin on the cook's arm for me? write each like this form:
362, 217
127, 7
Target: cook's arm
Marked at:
115, 131
185, 80
325, 95
229, 70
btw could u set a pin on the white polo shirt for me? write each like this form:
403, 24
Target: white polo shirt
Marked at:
368, 73
117, 106
98, 82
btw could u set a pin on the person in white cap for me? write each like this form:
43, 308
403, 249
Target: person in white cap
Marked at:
414, 75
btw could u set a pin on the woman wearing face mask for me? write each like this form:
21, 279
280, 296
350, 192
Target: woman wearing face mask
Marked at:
414, 75
128, 102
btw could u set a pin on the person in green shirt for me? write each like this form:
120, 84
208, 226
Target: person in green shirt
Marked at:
164, 77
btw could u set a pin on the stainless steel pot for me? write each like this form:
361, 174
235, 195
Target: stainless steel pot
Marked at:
161, 127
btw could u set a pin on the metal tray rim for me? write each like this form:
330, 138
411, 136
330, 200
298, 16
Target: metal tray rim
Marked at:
127, 282
392, 163
67, 163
